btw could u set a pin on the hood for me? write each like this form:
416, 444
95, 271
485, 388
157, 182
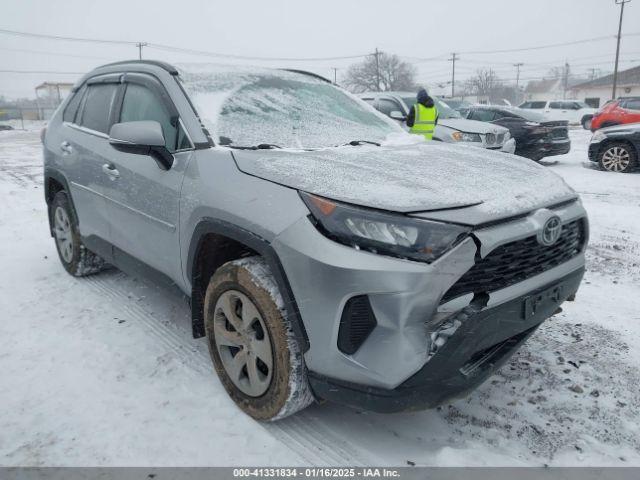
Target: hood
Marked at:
416, 178
471, 126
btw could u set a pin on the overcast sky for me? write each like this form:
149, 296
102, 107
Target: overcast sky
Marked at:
326, 28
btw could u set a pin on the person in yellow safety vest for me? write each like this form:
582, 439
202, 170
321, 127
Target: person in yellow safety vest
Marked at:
423, 116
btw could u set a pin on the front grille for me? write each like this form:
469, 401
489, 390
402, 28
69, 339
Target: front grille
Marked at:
516, 261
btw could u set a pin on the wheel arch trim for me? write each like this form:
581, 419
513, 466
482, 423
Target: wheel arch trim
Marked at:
238, 234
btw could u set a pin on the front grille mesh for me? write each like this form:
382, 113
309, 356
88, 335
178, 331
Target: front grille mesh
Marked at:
516, 261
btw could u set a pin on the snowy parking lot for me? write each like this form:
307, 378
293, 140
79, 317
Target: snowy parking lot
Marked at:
103, 370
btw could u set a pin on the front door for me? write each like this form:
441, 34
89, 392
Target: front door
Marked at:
143, 198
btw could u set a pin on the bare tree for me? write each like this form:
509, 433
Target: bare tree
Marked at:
392, 73
483, 83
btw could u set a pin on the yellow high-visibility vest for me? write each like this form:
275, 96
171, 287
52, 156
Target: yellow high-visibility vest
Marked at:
425, 120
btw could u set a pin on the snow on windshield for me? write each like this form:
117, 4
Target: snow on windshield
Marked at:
247, 107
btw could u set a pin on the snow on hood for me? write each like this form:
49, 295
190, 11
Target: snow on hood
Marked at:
413, 178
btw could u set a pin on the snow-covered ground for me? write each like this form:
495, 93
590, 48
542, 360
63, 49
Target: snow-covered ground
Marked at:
103, 371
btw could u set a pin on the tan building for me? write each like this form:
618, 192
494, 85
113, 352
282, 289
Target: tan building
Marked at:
49, 95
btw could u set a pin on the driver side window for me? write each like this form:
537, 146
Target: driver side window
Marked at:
141, 103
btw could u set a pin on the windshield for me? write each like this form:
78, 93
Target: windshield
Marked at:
286, 109
445, 111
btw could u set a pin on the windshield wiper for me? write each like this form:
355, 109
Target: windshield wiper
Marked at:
355, 143
261, 146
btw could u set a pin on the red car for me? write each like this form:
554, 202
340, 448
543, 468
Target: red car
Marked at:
617, 112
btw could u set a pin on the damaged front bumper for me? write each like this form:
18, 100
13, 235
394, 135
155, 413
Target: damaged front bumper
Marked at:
482, 341
421, 344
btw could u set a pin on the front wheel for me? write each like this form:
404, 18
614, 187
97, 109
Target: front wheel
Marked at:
617, 157
251, 341
74, 256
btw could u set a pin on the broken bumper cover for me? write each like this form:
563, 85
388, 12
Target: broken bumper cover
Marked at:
484, 341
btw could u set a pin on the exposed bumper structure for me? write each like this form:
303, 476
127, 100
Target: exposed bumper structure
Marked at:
483, 343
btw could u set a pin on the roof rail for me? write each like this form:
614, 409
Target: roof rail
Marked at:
164, 65
310, 74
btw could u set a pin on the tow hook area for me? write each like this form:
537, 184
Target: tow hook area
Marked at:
446, 329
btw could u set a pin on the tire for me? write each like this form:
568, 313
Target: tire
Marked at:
586, 123
74, 256
251, 341
617, 157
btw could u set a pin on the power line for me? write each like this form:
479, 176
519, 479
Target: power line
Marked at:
43, 52
68, 39
551, 45
190, 51
53, 72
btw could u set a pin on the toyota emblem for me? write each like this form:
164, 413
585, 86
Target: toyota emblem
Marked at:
550, 231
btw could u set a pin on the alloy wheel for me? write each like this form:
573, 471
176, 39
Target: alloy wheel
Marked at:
243, 343
62, 232
616, 159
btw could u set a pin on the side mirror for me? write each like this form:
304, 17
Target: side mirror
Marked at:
142, 138
397, 115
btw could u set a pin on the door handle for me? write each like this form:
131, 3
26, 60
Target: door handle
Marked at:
66, 147
111, 170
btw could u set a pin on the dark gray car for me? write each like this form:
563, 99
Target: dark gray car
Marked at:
326, 253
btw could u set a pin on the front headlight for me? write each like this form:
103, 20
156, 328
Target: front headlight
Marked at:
598, 137
465, 137
381, 232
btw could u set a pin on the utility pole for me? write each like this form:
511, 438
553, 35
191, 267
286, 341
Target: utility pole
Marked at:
377, 54
140, 45
518, 65
615, 70
565, 81
454, 57
335, 76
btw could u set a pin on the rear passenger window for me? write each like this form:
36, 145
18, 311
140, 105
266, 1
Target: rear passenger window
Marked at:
71, 109
97, 106
140, 103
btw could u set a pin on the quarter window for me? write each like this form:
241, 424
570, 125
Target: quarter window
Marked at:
97, 106
71, 109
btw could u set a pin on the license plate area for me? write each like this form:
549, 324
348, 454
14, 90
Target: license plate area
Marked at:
542, 301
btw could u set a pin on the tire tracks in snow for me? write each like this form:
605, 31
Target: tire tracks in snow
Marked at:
304, 433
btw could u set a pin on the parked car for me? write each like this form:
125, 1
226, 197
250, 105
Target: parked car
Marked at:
460, 106
575, 112
535, 137
5, 127
616, 148
326, 253
451, 127
617, 112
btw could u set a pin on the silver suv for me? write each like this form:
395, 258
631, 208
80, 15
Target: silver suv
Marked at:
327, 254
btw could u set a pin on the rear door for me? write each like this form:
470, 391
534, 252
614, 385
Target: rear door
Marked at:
143, 201
85, 149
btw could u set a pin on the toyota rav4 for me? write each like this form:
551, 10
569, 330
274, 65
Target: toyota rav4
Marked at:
327, 254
